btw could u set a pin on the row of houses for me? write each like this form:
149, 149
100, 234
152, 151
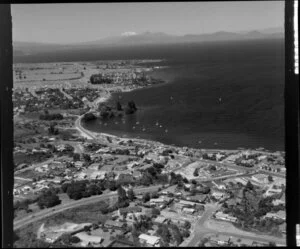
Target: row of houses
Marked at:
224, 240
226, 217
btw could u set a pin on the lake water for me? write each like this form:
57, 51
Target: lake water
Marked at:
217, 95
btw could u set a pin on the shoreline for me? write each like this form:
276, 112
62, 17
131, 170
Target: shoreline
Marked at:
103, 136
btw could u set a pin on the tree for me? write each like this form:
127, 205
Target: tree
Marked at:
131, 108
249, 186
86, 157
48, 199
164, 233
130, 194
155, 211
196, 172
187, 224
119, 106
185, 233
76, 157
146, 197
272, 244
176, 234
154, 195
270, 178
212, 168
89, 116
121, 194
76, 190
52, 129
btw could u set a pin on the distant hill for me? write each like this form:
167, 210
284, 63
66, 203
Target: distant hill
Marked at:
147, 38
33, 51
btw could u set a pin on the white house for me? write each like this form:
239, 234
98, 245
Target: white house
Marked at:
149, 239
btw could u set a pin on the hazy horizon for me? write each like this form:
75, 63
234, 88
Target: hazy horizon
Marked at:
76, 23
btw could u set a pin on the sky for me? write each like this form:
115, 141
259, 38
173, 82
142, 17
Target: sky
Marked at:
71, 23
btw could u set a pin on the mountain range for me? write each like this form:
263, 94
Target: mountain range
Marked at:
146, 38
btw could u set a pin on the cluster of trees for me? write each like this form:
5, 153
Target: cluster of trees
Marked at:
171, 232
123, 200
68, 239
202, 190
153, 175
24, 205
143, 224
100, 79
106, 112
94, 147
131, 108
252, 208
54, 116
177, 179
241, 162
81, 189
48, 199
88, 117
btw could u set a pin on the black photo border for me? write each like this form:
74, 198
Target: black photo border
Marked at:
292, 113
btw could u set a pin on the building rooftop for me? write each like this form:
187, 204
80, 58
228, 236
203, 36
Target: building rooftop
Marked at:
160, 219
150, 239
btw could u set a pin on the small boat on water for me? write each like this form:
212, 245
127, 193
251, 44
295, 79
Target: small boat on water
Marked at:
137, 122
160, 126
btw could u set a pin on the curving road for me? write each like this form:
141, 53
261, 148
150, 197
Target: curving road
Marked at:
203, 229
63, 207
83, 131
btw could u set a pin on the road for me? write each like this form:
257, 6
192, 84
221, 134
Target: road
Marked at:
83, 131
65, 94
63, 207
35, 165
200, 230
203, 229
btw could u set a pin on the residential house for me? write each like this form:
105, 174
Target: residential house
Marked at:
160, 220
149, 240
114, 224
280, 215
220, 186
217, 194
89, 240
135, 209
221, 240
226, 217
188, 210
79, 164
240, 241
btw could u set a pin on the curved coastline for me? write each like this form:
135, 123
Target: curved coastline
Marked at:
103, 136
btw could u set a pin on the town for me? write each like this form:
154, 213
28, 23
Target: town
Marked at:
77, 188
